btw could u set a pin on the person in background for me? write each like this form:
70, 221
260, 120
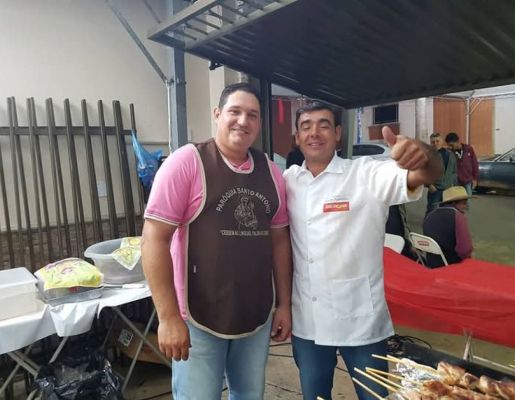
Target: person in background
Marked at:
215, 240
448, 226
468, 168
338, 209
449, 177
295, 156
397, 224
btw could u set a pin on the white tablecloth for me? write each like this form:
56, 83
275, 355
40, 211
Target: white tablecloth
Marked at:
66, 319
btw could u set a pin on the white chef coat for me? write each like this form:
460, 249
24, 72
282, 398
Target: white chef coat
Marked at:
337, 223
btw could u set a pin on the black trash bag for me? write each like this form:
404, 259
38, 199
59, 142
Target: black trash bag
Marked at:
85, 378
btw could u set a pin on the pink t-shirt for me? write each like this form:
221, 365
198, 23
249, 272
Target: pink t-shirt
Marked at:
176, 197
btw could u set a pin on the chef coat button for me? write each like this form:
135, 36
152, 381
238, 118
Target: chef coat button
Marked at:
314, 298
309, 222
310, 261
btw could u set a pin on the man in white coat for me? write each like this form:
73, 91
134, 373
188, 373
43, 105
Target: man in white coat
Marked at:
338, 210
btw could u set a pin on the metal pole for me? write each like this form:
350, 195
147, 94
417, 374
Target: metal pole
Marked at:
12, 142
54, 166
10, 246
80, 229
41, 181
14, 119
141, 195
467, 120
35, 184
54, 141
93, 192
111, 209
124, 170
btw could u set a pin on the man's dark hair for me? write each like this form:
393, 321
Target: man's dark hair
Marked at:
452, 137
243, 87
434, 135
316, 106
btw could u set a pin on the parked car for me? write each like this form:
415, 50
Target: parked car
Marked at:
497, 173
378, 150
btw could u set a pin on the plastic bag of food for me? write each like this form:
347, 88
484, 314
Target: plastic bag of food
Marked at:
69, 273
129, 252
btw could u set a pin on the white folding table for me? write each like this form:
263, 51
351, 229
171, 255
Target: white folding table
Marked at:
67, 320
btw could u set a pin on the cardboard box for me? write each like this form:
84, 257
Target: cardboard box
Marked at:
124, 338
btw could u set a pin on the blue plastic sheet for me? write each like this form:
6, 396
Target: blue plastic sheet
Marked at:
147, 162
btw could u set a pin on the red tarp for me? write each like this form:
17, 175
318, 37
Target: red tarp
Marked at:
474, 296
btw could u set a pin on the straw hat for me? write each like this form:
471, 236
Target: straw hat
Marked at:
455, 193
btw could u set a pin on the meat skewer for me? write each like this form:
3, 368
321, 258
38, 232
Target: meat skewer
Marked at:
455, 375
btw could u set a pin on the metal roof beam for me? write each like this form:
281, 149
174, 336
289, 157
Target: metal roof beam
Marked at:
190, 12
228, 28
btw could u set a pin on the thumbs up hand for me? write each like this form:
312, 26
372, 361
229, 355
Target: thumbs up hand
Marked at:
409, 153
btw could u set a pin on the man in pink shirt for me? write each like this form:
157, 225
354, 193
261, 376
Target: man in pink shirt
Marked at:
217, 256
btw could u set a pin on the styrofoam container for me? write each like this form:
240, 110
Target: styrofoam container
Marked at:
18, 293
114, 272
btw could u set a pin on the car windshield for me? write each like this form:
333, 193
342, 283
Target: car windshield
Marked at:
508, 156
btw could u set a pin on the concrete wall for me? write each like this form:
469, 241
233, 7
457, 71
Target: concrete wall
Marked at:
504, 124
79, 50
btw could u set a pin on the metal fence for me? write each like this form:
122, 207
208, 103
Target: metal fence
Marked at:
50, 178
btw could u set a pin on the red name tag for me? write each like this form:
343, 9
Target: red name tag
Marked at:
337, 206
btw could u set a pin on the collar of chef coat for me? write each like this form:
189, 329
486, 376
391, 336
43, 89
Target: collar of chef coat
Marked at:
334, 167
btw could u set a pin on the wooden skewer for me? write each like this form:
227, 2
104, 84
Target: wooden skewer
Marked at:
408, 363
385, 380
400, 378
511, 365
368, 389
378, 371
392, 388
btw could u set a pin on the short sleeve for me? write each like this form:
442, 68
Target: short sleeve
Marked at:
176, 188
280, 218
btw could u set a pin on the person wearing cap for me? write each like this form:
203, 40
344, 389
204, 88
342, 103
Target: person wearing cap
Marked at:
448, 226
338, 210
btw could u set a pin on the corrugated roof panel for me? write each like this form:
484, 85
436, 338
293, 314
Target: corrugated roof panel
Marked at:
360, 52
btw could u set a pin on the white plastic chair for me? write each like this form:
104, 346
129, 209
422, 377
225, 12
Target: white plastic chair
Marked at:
394, 242
427, 245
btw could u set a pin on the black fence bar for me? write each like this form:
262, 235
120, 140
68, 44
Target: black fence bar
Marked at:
57, 180
32, 144
23, 182
141, 195
41, 185
93, 192
111, 208
78, 209
14, 166
8, 232
124, 170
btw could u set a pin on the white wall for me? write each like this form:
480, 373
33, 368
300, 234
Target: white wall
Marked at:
504, 124
77, 49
